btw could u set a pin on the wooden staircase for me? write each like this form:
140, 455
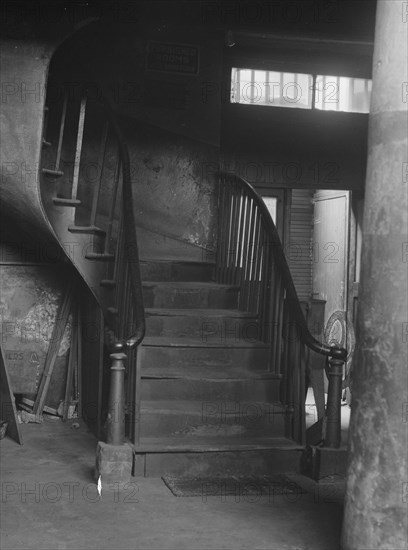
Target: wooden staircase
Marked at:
209, 405
217, 384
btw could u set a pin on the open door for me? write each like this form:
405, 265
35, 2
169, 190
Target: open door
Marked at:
330, 250
330, 263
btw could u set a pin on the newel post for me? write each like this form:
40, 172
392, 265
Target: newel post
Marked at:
115, 423
114, 459
333, 408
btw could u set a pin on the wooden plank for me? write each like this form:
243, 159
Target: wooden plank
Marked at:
8, 411
72, 362
57, 334
78, 371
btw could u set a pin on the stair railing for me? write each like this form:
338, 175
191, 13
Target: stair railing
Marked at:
129, 329
120, 293
132, 329
250, 255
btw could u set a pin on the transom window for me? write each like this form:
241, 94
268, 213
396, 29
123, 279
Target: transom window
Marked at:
300, 90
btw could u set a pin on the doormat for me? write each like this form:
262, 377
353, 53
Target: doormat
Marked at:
249, 487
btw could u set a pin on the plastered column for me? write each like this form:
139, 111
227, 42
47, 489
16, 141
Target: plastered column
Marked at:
377, 485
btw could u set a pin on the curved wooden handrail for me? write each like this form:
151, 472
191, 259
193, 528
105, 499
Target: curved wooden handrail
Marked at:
291, 295
131, 247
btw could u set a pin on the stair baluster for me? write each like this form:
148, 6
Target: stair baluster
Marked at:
97, 188
271, 295
61, 132
109, 228
78, 149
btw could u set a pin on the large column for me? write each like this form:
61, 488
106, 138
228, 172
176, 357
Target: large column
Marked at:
377, 486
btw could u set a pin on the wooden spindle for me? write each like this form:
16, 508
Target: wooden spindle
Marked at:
78, 149
240, 234
115, 190
234, 236
222, 237
263, 298
254, 292
61, 132
247, 253
296, 377
118, 252
97, 188
279, 320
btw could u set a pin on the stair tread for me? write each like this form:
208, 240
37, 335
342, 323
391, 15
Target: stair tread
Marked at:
99, 256
61, 201
178, 406
213, 444
189, 284
188, 342
182, 262
108, 282
86, 229
52, 172
199, 311
209, 374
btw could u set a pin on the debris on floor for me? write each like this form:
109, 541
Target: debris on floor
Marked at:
24, 417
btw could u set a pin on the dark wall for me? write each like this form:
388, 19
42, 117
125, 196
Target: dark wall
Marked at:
295, 147
172, 130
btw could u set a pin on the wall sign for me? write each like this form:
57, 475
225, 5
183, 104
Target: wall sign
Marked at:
173, 58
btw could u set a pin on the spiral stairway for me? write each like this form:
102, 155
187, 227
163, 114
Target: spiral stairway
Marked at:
202, 396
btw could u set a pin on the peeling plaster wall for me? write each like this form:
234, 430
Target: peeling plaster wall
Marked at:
174, 194
30, 294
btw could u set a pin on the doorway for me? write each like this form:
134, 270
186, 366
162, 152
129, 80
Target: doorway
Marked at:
275, 200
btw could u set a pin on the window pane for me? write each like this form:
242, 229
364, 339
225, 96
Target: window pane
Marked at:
334, 93
271, 88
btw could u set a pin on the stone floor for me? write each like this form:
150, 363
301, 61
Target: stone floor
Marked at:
49, 500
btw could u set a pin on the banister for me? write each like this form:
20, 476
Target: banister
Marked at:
336, 352
130, 239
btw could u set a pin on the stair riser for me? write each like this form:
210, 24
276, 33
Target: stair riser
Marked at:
216, 420
166, 357
94, 243
208, 328
167, 297
98, 243
175, 271
229, 463
210, 391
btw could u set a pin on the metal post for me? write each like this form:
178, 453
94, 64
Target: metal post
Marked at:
116, 410
333, 410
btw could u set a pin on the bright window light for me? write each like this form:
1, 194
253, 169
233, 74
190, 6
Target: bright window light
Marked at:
277, 89
271, 88
339, 93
